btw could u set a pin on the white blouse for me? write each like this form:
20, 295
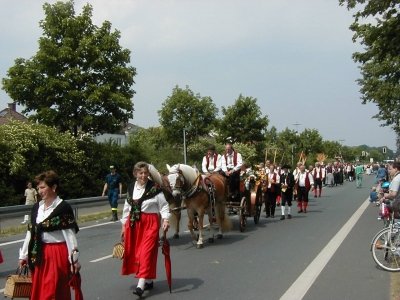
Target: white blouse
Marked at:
158, 204
58, 236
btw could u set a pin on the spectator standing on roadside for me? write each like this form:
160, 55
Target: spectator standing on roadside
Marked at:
394, 187
30, 199
381, 174
114, 186
359, 170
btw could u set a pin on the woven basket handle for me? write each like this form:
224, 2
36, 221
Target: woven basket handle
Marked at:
24, 270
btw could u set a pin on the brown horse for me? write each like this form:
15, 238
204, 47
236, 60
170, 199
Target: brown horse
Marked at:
201, 194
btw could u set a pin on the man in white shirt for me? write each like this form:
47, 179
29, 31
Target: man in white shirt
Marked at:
212, 161
232, 162
304, 183
319, 176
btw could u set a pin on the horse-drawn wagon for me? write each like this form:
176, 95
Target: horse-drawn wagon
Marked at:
247, 202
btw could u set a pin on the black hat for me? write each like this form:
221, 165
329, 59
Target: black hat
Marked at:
286, 167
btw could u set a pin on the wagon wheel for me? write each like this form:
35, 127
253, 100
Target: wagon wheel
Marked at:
257, 210
242, 214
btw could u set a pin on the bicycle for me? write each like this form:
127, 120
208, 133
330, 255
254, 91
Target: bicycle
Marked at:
385, 246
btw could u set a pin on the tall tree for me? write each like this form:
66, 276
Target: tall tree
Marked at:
377, 26
310, 141
184, 110
243, 122
79, 77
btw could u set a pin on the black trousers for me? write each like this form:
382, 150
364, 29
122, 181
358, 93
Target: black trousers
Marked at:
270, 202
287, 197
234, 183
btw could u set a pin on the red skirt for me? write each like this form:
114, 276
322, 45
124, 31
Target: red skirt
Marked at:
50, 278
1, 258
141, 247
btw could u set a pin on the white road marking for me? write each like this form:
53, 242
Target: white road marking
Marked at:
101, 258
303, 283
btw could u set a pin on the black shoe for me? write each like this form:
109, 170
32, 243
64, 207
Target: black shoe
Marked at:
289, 216
272, 216
138, 292
267, 216
283, 217
148, 286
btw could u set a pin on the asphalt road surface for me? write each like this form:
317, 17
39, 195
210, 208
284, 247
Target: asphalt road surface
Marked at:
324, 254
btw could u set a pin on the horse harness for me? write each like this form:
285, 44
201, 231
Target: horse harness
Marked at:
202, 183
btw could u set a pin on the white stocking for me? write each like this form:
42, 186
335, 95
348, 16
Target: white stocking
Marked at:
141, 283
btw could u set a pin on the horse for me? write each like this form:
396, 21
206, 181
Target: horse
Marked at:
201, 194
174, 202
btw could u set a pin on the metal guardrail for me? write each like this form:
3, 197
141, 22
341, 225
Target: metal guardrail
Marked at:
20, 210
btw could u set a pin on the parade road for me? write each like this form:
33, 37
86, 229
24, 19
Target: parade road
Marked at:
323, 254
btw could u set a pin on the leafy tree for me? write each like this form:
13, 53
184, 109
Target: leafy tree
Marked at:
28, 149
248, 152
152, 145
310, 141
376, 25
287, 143
242, 122
185, 110
79, 78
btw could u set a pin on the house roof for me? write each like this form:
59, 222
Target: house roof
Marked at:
10, 113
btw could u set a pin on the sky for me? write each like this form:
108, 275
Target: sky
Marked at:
293, 56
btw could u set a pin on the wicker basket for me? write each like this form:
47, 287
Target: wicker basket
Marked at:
18, 285
118, 251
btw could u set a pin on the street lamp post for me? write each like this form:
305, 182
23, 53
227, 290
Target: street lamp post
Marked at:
292, 154
184, 146
297, 124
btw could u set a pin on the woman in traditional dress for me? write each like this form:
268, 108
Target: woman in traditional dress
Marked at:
50, 247
140, 227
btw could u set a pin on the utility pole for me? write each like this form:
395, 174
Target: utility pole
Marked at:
184, 146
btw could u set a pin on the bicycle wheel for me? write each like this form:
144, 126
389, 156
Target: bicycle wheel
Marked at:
386, 249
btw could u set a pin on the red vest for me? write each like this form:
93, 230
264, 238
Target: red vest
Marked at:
215, 160
307, 183
315, 173
234, 158
273, 184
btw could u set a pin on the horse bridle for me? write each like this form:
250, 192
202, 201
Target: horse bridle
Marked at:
179, 181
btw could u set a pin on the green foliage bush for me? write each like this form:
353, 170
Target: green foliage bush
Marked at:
27, 149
